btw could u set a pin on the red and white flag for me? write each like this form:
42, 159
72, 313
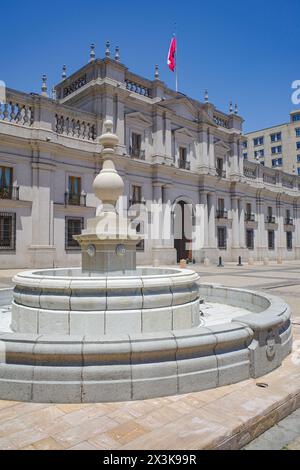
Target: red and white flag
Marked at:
172, 55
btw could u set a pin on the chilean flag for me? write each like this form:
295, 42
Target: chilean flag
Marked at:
172, 55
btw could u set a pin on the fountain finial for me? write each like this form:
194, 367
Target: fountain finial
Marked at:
108, 185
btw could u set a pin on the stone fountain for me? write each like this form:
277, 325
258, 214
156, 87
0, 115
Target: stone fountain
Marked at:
112, 331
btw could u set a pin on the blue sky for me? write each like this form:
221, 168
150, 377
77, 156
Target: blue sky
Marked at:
247, 51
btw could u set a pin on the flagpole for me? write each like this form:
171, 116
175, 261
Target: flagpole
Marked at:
176, 58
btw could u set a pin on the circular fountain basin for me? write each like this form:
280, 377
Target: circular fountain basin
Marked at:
71, 302
240, 334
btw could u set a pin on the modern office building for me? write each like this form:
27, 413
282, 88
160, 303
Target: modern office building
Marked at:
277, 146
172, 148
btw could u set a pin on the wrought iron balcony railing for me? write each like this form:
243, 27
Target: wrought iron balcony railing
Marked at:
289, 221
133, 201
249, 217
75, 199
9, 192
271, 219
221, 173
222, 214
137, 153
184, 165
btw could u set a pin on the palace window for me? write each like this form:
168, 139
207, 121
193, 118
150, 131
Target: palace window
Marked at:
297, 130
271, 239
276, 137
249, 217
7, 231
250, 239
298, 145
296, 117
298, 158
276, 162
136, 144
277, 149
183, 163
136, 197
220, 168
222, 238
74, 226
245, 144
258, 141
299, 171
6, 178
270, 217
245, 155
74, 191
141, 245
289, 240
221, 212
288, 219
259, 153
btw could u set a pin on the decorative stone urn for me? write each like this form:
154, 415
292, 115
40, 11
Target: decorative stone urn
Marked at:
109, 242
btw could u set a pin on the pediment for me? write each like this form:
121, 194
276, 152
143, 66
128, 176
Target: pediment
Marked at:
184, 133
181, 106
139, 119
220, 144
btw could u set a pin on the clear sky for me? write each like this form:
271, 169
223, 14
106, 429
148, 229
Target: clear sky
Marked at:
247, 51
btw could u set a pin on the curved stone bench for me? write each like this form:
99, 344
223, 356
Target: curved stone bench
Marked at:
73, 369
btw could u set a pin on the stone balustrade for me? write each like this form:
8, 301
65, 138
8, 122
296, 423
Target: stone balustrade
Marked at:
250, 170
138, 85
17, 112
255, 171
74, 127
221, 120
288, 182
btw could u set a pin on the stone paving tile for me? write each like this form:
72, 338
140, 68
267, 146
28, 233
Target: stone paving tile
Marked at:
22, 439
126, 432
47, 444
192, 421
85, 445
85, 431
6, 444
104, 441
192, 433
295, 445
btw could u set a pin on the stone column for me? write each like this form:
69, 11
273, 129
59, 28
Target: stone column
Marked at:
261, 245
158, 136
281, 242
203, 157
297, 230
235, 223
242, 224
157, 192
204, 202
212, 203
120, 122
211, 154
168, 138
234, 160
167, 214
42, 249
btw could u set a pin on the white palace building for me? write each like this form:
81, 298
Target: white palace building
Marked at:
172, 148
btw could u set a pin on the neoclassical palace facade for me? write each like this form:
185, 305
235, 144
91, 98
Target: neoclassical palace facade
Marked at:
172, 148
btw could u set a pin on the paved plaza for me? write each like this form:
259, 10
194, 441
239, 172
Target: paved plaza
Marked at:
228, 417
